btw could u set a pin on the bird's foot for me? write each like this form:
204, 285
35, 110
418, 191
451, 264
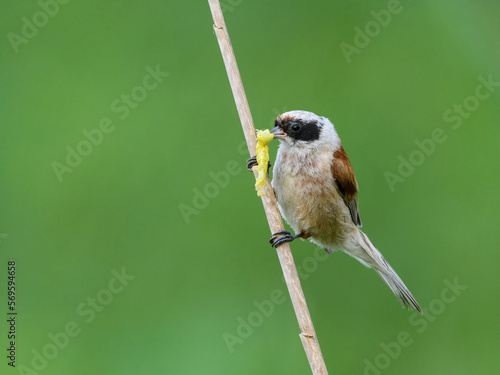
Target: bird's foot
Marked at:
252, 162
283, 236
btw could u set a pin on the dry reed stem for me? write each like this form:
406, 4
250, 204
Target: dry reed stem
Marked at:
307, 335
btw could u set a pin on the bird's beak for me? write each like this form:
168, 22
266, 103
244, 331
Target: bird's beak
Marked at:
278, 133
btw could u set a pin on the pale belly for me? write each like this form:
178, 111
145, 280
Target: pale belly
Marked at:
309, 201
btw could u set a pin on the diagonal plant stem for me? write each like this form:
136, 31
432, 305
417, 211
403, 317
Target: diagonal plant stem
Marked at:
307, 335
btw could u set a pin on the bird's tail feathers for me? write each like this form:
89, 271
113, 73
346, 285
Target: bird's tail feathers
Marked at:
371, 257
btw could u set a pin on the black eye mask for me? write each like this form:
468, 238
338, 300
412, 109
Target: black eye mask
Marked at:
300, 131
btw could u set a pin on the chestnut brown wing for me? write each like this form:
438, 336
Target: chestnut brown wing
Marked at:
347, 185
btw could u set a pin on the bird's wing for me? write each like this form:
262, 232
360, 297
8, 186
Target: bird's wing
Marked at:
343, 175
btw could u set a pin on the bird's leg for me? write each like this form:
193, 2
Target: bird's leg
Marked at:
253, 162
283, 236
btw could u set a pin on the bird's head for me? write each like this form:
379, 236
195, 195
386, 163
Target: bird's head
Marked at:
305, 129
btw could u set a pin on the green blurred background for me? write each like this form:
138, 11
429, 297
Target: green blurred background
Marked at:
195, 279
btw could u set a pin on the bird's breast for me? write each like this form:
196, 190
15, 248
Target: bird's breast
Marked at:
308, 197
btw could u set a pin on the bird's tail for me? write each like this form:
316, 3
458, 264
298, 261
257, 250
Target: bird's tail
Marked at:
368, 254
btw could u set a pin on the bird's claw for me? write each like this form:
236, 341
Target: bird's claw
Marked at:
252, 162
281, 237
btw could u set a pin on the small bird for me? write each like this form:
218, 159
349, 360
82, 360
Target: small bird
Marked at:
317, 194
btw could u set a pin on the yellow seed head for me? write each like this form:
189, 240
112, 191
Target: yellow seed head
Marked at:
262, 152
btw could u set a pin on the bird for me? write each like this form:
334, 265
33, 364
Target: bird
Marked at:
317, 195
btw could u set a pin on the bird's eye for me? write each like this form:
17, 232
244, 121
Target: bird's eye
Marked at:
295, 127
